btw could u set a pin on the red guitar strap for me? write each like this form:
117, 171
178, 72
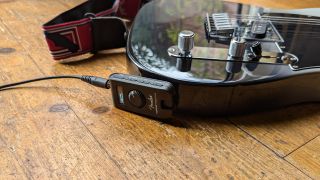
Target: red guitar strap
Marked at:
90, 27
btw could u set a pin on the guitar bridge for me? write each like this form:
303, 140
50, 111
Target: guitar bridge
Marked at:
221, 28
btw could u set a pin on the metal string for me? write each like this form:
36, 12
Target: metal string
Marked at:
277, 20
274, 19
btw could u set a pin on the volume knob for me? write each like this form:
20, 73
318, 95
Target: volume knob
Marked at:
136, 98
186, 41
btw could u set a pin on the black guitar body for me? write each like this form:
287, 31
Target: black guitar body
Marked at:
244, 58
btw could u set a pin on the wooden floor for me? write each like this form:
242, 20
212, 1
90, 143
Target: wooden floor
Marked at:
65, 128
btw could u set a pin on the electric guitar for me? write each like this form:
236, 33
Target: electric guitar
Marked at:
224, 57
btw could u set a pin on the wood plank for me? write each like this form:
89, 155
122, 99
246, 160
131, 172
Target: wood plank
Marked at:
307, 158
9, 166
282, 130
144, 148
42, 130
129, 146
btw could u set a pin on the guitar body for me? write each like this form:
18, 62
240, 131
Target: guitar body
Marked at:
283, 70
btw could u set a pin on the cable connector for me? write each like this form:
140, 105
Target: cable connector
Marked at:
96, 81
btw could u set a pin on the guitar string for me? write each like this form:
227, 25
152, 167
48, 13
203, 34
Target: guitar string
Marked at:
277, 17
270, 19
279, 21
309, 33
280, 17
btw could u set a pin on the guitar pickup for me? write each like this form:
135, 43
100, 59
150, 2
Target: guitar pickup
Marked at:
218, 26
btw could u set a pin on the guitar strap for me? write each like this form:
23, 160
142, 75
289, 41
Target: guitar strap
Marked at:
90, 27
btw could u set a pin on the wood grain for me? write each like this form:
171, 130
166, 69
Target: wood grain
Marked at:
9, 165
66, 129
282, 130
41, 130
307, 158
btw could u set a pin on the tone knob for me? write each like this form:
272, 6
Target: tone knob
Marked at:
137, 99
186, 41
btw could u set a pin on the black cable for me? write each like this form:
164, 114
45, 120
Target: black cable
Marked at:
38, 79
93, 80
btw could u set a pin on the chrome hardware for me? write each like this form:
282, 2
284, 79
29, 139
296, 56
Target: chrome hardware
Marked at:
236, 52
205, 54
240, 52
186, 42
222, 27
185, 45
237, 49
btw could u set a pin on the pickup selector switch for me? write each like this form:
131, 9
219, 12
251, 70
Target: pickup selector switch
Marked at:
259, 29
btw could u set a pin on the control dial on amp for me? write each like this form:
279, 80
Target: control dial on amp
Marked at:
136, 98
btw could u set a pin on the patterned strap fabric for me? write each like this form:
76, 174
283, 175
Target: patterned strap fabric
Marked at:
77, 30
